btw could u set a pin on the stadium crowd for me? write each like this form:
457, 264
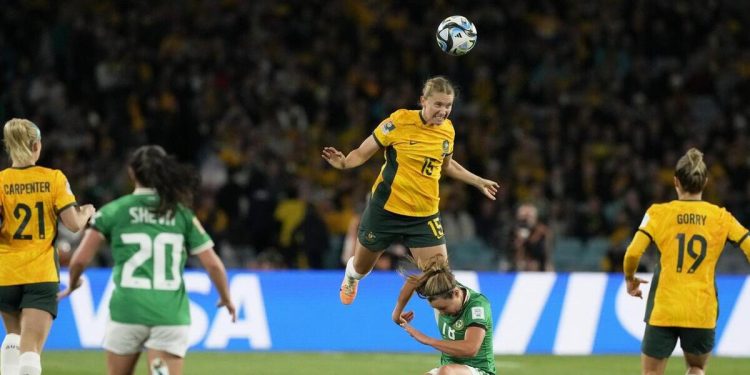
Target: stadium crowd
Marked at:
573, 106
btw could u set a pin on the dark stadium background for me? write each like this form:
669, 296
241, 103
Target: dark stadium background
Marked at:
580, 107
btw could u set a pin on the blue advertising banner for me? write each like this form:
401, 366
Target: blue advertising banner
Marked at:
545, 313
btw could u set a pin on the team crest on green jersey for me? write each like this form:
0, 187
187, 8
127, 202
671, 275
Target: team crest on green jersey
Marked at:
458, 325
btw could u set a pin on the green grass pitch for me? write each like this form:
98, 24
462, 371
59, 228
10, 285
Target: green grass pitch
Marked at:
92, 362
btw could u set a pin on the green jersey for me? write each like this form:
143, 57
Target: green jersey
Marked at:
149, 254
476, 312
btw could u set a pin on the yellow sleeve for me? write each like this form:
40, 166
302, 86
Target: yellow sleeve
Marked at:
640, 242
745, 247
648, 224
452, 140
738, 235
383, 134
2, 193
637, 247
63, 194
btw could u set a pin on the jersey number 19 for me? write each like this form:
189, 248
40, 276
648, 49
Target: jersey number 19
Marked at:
696, 239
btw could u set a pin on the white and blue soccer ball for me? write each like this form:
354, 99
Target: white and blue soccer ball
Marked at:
456, 35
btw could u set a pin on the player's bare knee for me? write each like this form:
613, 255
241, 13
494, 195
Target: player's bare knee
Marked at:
696, 362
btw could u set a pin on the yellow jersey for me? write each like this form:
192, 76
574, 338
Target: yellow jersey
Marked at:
31, 199
414, 152
690, 237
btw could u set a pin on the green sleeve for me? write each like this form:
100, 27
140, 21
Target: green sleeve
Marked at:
103, 220
478, 313
197, 238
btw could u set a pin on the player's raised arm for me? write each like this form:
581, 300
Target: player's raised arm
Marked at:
398, 316
355, 158
453, 169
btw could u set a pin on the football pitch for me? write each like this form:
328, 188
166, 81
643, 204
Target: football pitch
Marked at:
92, 362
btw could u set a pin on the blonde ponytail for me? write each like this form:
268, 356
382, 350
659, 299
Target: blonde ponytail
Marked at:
692, 171
19, 136
436, 279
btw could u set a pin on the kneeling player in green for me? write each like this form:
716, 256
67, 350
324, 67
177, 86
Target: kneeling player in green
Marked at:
464, 321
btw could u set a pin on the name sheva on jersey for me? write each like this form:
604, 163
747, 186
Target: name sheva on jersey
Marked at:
140, 215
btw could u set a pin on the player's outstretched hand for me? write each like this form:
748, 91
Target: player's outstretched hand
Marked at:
488, 187
402, 318
634, 287
230, 308
334, 157
88, 210
66, 292
413, 332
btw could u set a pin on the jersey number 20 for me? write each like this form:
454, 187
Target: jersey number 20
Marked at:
158, 251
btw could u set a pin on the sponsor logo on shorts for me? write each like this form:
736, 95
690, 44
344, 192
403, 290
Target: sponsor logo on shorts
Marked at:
370, 237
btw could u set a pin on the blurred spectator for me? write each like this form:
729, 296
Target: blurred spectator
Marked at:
269, 259
458, 225
214, 219
614, 258
311, 239
531, 241
574, 106
290, 213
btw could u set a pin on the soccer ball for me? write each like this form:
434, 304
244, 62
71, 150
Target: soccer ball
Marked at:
456, 35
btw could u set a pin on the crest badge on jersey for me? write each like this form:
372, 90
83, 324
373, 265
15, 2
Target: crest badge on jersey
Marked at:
477, 312
388, 127
459, 324
446, 147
